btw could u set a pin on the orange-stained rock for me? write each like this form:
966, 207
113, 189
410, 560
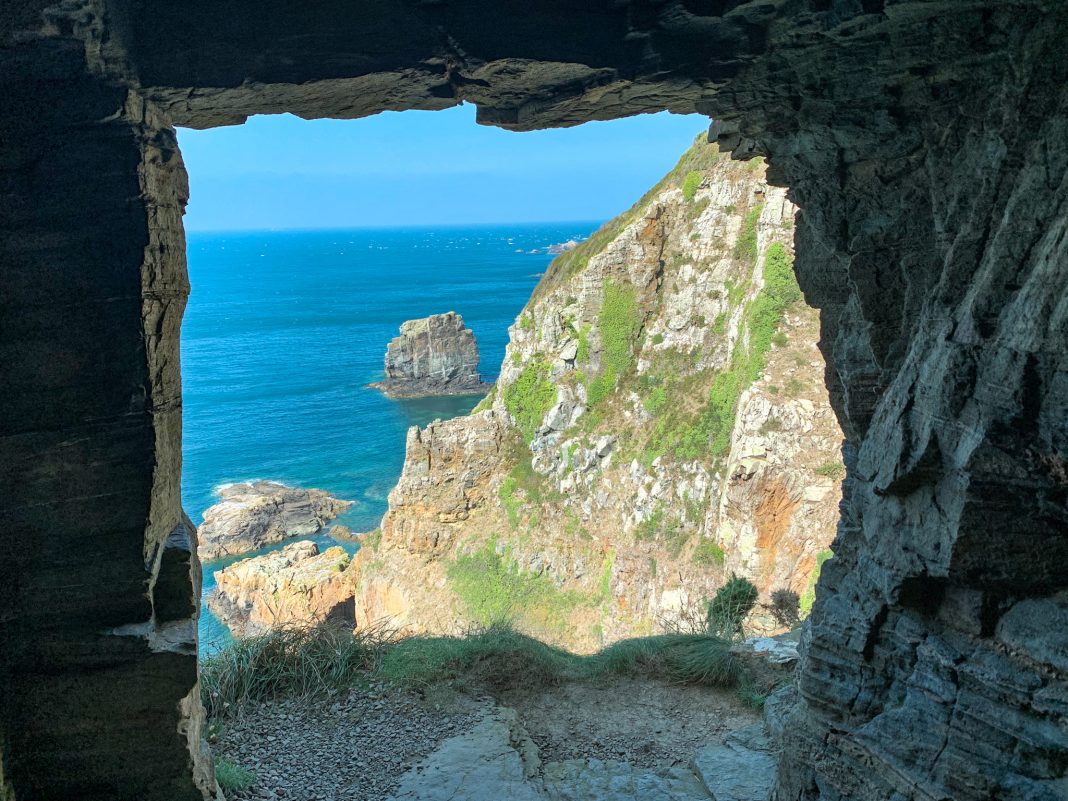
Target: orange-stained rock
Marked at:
297, 585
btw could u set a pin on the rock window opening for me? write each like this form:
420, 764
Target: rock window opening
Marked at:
654, 433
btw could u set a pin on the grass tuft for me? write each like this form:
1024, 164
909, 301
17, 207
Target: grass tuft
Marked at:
496, 656
233, 778
301, 662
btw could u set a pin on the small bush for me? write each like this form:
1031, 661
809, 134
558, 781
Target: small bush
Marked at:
655, 400
833, 470
526, 322
727, 610
690, 184
785, 608
233, 778
708, 552
657, 339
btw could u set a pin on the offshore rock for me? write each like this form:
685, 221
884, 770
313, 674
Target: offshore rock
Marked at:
294, 586
434, 355
258, 513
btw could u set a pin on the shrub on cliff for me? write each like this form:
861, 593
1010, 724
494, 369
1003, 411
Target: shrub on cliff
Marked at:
530, 397
691, 184
728, 608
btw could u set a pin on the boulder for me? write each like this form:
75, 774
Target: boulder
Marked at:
255, 514
297, 585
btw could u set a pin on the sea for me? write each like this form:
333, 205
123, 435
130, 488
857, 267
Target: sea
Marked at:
285, 329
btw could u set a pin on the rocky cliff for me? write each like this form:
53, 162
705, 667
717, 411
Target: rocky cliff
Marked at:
434, 355
659, 422
253, 514
297, 585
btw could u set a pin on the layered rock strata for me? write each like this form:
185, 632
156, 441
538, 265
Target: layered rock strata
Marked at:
434, 355
660, 421
254, 514
296, 586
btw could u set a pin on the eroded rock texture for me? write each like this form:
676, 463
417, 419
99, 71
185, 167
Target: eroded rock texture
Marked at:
254, 514
434, 355
296, 586
924, 141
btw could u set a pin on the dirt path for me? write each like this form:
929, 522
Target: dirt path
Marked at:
360, 745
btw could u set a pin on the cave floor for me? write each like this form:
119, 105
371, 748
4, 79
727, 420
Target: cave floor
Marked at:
582, 741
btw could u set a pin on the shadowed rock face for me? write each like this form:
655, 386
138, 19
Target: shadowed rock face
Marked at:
924, 142
434, 355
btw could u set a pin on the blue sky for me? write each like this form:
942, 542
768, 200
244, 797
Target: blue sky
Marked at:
422, 168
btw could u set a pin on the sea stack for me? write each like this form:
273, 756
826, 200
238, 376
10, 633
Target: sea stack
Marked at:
434, 355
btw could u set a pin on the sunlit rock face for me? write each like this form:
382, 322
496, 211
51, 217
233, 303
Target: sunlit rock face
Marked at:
435, 355
629, 488
923, 141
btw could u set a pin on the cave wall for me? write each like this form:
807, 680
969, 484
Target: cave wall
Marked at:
934, 238
925, 142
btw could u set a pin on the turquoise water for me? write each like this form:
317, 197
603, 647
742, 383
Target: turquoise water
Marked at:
284, 330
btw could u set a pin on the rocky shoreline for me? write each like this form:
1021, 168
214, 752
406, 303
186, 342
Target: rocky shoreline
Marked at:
254, 514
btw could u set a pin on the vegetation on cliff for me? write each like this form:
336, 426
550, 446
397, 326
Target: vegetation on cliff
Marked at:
620, 322
530, 397
623, 469
318, 661
697, 160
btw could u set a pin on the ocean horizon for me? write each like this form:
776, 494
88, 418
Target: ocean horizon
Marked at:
285, 329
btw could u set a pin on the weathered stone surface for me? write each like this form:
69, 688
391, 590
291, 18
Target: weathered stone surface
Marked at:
923, 141
493, 761
740, 769
497, 760
254, 514
297, 585
595, 780
435, 355
449, 473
